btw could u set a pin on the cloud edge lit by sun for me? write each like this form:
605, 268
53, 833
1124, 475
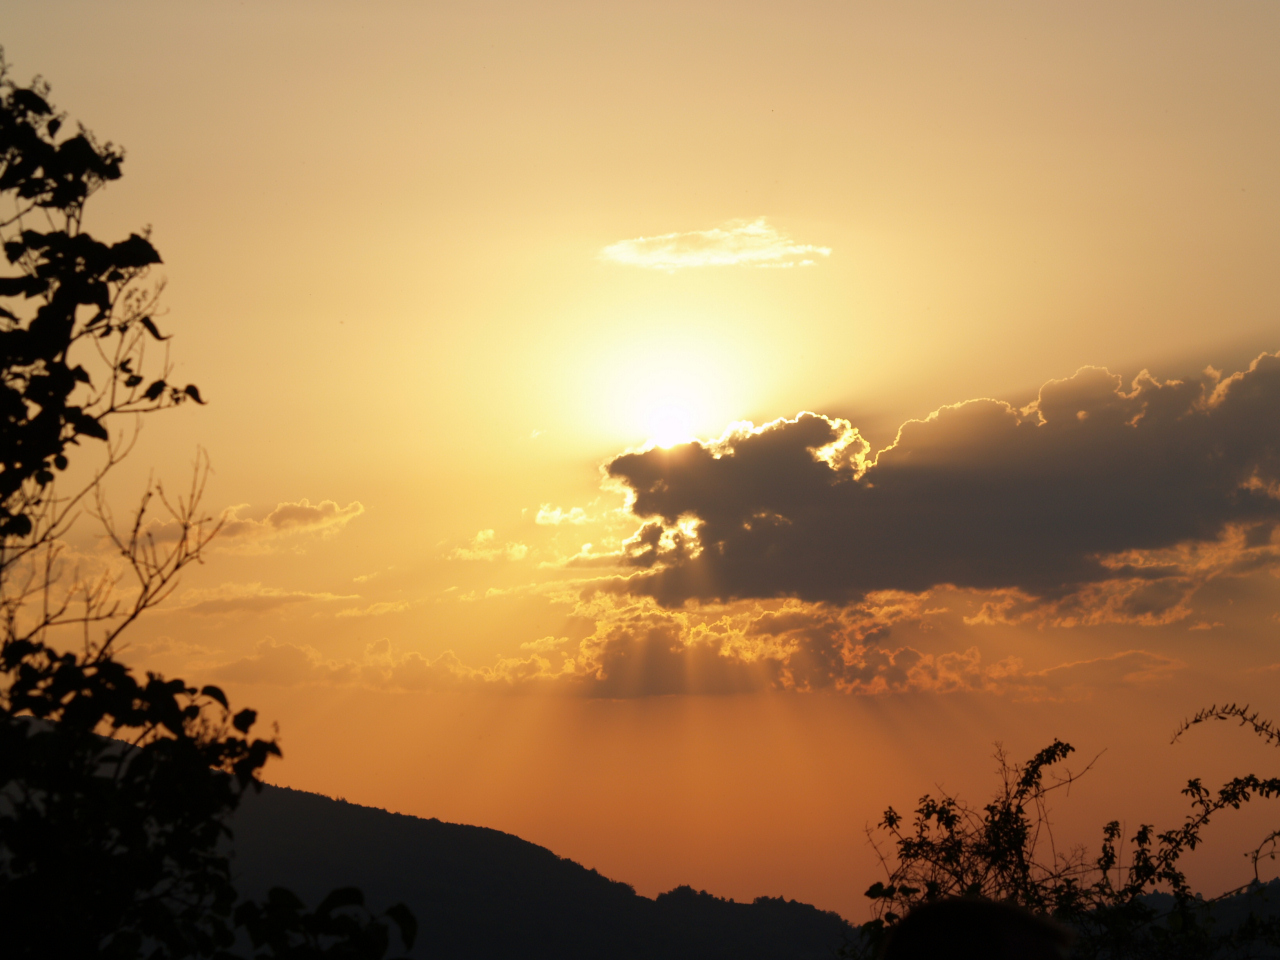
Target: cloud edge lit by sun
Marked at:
754, 243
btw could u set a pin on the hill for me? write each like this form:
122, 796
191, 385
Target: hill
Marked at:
481, 894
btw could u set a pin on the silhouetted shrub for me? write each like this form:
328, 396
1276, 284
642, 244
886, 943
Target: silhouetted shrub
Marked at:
1121, 903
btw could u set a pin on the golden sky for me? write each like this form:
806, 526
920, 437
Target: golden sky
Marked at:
671, 432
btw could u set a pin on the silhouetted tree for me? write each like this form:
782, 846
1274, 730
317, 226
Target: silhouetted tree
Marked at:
1005, 852
115, 791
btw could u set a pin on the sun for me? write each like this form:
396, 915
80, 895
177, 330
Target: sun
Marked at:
677, 385
671, 423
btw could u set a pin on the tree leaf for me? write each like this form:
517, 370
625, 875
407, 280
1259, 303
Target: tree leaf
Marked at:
406, 922
151, 328
215, 693
342, 897
135, 252
32, 102
284, 897
23, 286
89, 426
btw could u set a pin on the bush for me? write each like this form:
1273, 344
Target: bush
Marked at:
1004, 851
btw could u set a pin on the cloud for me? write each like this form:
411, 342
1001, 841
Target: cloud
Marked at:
377, 609
1092, 504
288, 518
381, 666
639, 649
161, 646
549, 516
245, 534
790, 557
286, 664
1127, 668
754, 243
484, 547
232, 599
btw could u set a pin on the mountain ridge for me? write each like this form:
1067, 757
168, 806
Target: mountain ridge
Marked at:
481, 894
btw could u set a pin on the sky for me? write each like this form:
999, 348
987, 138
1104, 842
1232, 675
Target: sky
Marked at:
674, 432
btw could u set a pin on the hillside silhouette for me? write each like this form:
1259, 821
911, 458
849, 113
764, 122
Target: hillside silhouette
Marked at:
480, 893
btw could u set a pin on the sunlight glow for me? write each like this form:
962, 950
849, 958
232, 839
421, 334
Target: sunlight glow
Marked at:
670, 424
684, 379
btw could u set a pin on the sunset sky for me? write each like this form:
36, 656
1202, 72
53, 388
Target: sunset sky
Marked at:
671, 432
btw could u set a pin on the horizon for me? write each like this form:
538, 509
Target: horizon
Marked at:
672, 436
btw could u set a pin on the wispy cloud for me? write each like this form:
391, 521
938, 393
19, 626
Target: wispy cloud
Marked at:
484, 547
289, 518
286, 664
249, 598
283, 525
377, 609
752, 243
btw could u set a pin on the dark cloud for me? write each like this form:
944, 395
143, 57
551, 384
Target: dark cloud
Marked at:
1087, 485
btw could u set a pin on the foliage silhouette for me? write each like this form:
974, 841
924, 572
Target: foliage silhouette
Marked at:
1119, 906
969, 928
83, 290
114, 791
1268, 787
